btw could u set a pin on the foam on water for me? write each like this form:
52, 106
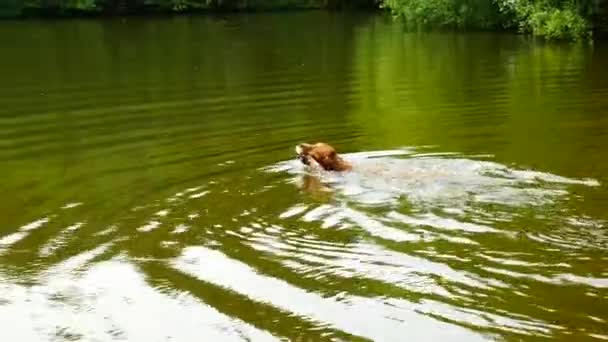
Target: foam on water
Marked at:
439, 179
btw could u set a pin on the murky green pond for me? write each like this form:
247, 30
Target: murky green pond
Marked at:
150, 190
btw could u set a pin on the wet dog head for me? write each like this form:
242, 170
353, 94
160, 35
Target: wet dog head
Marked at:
324, 155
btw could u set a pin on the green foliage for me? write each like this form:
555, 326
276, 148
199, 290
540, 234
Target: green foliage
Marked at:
84, 5
123, 6
9, 8
552, 19
559, 24
63, 5
445, 13
178, 5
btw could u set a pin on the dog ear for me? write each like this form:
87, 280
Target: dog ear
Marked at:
329, 160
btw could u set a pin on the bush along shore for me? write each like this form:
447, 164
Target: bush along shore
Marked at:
26, 8
573, 20
552, 19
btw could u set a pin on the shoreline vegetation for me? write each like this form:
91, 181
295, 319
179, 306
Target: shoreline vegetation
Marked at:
573, 20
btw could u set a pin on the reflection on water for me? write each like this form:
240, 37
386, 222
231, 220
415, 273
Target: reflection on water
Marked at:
353, 314
111, 301
149, 189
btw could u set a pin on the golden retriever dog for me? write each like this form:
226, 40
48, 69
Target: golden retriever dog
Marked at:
321, 156
424, 178
324, 155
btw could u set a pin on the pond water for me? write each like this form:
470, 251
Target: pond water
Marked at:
150, 190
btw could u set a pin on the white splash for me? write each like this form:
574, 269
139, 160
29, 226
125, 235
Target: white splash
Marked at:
435, 179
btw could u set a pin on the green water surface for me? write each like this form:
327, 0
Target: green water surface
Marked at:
148, 190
